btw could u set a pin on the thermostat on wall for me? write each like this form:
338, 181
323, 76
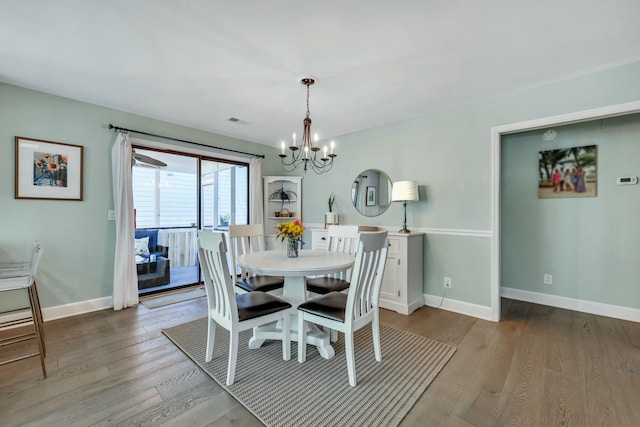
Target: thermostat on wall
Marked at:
627, 180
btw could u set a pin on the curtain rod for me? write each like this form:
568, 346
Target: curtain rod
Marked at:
119, 129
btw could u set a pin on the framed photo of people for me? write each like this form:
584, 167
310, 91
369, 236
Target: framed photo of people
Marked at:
568, 172
48, 170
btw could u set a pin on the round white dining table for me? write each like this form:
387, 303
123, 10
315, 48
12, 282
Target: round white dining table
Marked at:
294, 270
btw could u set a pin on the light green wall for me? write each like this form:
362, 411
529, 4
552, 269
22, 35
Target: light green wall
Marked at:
588, 244
78, 241
448, 153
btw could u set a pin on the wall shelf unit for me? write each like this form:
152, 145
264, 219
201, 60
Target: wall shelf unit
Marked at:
282, 203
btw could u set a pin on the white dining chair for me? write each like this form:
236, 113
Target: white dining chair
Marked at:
235, 312
247, 239
349, 312
22, 277
340, 238
19, 268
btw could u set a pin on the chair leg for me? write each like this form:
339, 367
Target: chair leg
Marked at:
333, 335
286, 337
375, 331
302, 339
233, 356
211, 337
39, 311
36, 326
35, 301
351, 357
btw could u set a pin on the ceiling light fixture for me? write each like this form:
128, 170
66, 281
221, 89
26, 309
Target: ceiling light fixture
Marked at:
307, 154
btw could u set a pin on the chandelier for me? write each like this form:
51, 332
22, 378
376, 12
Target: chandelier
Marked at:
308, 154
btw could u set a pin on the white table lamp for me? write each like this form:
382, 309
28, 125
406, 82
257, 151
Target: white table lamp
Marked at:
405, 191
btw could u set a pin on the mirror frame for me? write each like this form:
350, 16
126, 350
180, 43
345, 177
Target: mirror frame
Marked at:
371, 192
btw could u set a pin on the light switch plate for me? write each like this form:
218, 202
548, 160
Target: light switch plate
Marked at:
627, 180
111, 215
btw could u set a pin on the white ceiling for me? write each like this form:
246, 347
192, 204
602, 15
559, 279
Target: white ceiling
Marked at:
199, 62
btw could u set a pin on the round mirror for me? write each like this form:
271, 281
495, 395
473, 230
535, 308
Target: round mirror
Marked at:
371, 192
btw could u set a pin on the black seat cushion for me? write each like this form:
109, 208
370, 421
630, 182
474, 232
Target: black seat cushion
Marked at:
331, 306
324, 285
261, 283
256, 304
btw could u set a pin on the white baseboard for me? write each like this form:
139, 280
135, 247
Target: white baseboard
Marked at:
400, 307
598, 308
461, 307
66, 310
75, 308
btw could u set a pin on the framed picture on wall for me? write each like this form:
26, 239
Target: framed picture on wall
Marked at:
371, 196
568, 172
48, 170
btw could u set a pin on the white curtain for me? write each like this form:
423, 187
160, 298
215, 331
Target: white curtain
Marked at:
255, 191
125, 280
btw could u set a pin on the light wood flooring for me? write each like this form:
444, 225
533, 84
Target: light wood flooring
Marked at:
540, 366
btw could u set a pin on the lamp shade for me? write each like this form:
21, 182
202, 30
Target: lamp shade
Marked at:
405, 191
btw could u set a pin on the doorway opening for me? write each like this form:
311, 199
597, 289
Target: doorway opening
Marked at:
496, 142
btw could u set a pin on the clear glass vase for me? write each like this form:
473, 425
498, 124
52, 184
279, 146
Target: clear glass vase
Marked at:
292, 247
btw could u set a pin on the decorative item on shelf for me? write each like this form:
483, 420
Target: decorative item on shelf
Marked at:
405, 191
282, 196
331, 218
276, 214
307, 153
292, 231
284, 213
292, 214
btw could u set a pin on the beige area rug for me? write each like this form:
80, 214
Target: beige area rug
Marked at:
163, 300
317, 392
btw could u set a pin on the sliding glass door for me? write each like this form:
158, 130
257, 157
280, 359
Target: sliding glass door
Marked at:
225, 195
171, 203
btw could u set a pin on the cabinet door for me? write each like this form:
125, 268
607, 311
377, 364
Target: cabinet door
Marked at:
389, 289
392, 279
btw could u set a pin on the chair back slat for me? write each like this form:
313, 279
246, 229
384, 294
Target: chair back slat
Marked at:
366, 278
244, 239
221, 299
342, 238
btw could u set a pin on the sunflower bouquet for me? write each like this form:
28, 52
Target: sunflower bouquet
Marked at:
290, 230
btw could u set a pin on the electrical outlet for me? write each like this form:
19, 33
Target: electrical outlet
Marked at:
548, 279
111, 215
447, 282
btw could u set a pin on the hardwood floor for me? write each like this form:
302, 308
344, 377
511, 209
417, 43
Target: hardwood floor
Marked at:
540, 366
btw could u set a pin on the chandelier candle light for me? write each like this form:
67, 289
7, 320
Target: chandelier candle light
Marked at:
405, 191
307, 154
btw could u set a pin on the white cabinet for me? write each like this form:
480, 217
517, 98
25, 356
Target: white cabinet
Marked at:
402, 284
282, 202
